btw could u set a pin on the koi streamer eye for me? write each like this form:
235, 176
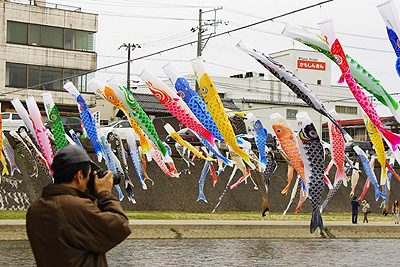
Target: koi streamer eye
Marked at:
257, 125
339, 59
53, 117
204, 89
111, 97
181, 94
363, 158
313, 134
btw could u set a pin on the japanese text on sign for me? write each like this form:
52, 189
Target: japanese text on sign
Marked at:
312, 65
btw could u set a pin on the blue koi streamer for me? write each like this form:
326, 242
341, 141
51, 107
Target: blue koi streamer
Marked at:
110, 163
368, 170
75, 138
202, 179
215, 151
387, 184
394, 40
133, 151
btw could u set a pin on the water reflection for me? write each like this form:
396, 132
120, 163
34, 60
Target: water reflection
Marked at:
233, 252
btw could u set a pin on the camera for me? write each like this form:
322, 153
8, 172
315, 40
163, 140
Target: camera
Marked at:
100, 174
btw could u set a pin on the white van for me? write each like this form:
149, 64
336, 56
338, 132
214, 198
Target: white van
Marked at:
11, 121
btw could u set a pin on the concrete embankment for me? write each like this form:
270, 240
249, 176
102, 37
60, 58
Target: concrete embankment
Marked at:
176, 229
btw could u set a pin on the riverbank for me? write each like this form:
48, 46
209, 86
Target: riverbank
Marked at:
216, 229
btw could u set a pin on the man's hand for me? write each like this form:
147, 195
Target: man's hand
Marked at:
104, 183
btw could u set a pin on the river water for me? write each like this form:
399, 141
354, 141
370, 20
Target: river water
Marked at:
233, 252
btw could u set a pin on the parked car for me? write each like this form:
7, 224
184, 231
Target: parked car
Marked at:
70, 123
187, 135
12, 121
120, 126
366, 146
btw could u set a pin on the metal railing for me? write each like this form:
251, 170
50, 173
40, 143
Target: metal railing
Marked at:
44, 3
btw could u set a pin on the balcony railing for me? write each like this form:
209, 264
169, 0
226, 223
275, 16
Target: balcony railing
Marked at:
44, 3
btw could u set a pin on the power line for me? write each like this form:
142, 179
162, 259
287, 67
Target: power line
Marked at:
177, 46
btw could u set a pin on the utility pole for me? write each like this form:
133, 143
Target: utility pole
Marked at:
202, 39
128, 47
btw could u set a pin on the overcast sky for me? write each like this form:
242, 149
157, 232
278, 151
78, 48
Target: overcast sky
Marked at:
158, 24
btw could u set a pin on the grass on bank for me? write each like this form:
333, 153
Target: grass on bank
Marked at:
248, 216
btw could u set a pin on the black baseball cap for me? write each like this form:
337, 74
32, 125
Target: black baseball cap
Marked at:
69, 156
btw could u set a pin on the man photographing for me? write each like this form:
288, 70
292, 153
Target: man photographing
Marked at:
65, 226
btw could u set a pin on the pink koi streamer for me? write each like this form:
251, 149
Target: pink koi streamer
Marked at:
337, 50
337, 149
40, 129
157, 156
175, 104
241, 179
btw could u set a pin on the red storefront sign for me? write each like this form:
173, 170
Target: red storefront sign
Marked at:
311, 65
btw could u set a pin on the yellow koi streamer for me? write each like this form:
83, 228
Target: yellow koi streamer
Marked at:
376, 140
214, 105
184, 143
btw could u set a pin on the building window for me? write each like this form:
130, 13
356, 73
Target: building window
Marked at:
34, 34
17, 32
84, 41
318, 82
52, 37
49, 78
16, 75
346, 110
49, 36
291, 114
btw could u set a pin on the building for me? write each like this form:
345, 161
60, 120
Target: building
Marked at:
41, 46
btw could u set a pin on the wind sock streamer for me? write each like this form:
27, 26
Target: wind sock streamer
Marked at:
133, 151
294, 83
174, 104
202, 179
75, 137
9, 152
171, 131
289, 145
55, 121
29, 159
368, 170
337, 149
136, 111
3, 161
376, 140
40, 129
87, 119
313, 156
25, 118
109, 159
330, 195
337, 50
360, 74
293, 195
192, 99
389, 15
214, 105
108, 94
260, 135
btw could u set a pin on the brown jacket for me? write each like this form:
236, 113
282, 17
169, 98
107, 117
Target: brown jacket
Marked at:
66, 228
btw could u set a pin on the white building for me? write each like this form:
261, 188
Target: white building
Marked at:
41, 46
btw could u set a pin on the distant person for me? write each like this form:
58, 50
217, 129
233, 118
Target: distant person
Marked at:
396, 211
365, 209
65, 226
354, 209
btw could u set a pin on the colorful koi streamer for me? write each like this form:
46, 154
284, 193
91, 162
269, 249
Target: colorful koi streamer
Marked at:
368, 170
9, 152
75, 138
389, 15
337, 149
361, 75
337, 50
137, 113
216, 109
376, 140
87, 119
29, 159
40, 129
133, 151
3, 161
108, 94
289, 145
294, 83
109, 159
355, 175
174, 104
55, 121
